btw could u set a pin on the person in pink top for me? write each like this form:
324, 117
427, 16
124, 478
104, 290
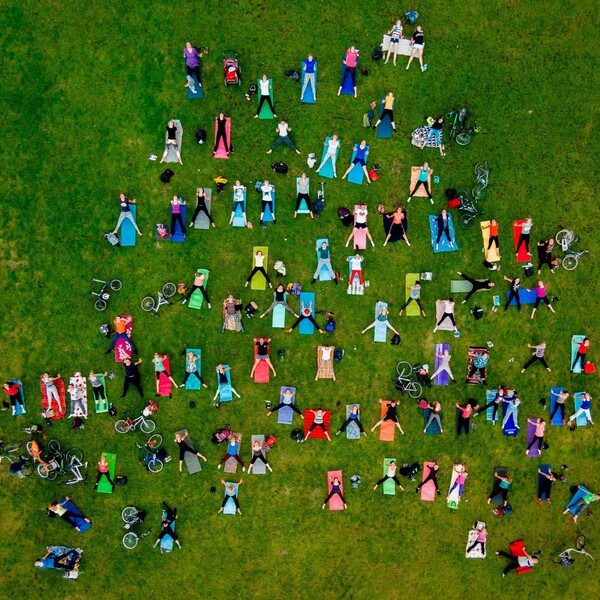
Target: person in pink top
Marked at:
103, 471
481, 537
538, 436
176, 204
199, 280
540, 291
463, 417
459, 482
350, 62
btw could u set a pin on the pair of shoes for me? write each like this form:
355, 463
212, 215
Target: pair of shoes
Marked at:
431, 200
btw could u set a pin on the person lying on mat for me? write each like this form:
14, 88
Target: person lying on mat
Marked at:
538, 435
541, 296
582, 348
283, 137
545, 487
50, 389
495, 402
581, 504
350, 62
267, 201
231, 320
435, 131
544, 250
511, 407
390, 414
480, 361
524, 561
191, 368
431, 476
259, 262
233, 450
381, 316
58, 509
493, 239
192, 62
306, 312
353, 417
538, 355
98, 387
424, 173
390, 474
176, 204
265, 96
436, 409
167, 528
515, 284
230, 493
258, 454
505, 483
417, 44
171, 141
397, 227
447, 314
459, 482
303, 195
443, 228
279, 297
360, 222
125, 213
362, 151
478, 284
262, 346
332, 146
524, 237
199, 279
159, 367
388, 111
77, 395
103, 471
201, 206
286, 400
120, 333
222, 134
223, 380
324, 260
181, 441
13, 391
336, 489
445, 358
395, 34
309, 66
325, 363
319, 417
584, 409
559, 405
238, 201
480, 539
356, 268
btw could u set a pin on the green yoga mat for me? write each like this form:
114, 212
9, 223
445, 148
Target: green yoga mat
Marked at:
412, 310
258, 281
458, 286
265, 111
196, 299
102, 403
104, 487
389, 485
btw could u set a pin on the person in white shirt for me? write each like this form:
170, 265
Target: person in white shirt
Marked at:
283, 130
356, 268
332, 146
238, 200
265, 87
259, 261
267, 201
360, 222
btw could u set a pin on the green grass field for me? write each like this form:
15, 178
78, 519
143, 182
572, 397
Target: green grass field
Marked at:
87, 93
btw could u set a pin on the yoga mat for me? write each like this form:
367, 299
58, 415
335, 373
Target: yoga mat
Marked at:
346, 81
221, 152
491, 255
579, 494
199, 93
533, 452
581, 420
192, 461
412, 310
309, 97
166, 543
80, 383
458, 286
352, 431
404, 46
202, 221
324, 274
80, 517
357, 173
327, 170
489, 413
476, 378
193, 383
165, 387
171, 154
265, 111
238, 216
443, 378
522, 255
496, 495
476, 552
270, 208
262, 371
103, 486
510, 429
453, 500
303, 208
444, 244
306, 327
446, 325
259, 467
434, 428
517, 548
384, 129
335, 502
359, 239
541, 479
387, 430
285, 414
102, 403
414, 177
18, 410
123, 348
317, 433
61, 412
128, 232
380, 329
354, 287
196, 299
230, 466
575, 341
557, 419
325, 370
389, 485
229, 508
525, 297
278, 316
225, 393
388, 224
178, 235
427, 490
258, 281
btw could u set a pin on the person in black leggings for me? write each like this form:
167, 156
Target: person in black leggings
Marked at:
176, 204
390, 474
221, 134
486, 284
517, 561
58, 509
199, 280
201, 206
515, 284
132, 377
524, 237
259, 259
168, 518
443, 227
431, 476
258, 454
181, 441
352, 418
544, 249
231, 493
540, 350
559, 405
336, 489
545, 486
305, 313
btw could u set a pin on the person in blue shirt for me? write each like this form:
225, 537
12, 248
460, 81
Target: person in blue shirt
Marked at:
309, 67
353, 417
362, 151
336, 488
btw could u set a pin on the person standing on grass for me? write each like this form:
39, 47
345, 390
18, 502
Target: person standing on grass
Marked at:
415, 296
126, 213
477, 284
541, 294
390, 415
159, 367
524, 237
538, 436
417, 44
582, 349
424, 173
544, 250
336, 489
395, 34
283, 130
538, 354
584, 409
309, 67
132, 376
388, 111
332, 146
265, 88
515, 284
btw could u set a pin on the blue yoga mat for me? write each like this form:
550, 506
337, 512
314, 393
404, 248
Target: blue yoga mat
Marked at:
268, 216
225, 393
357, 174
524, 296
193, 383
579, 494
306, 327
308, 97
347, 86
575, 341
444, 245
556, 420
178, 235
434, 428
327, 170
510, 429
199, 92
546, 469
80, 520
581, 420
278, 318
18, 410
489, 396
230, 508
384, 129
128, 232
380, 329
324, 274
166, 543
238, 216
285, 415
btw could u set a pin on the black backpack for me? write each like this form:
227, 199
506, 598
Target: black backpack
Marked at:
477, 312
395, 340
345, 216
201, 136
166, 175
377, 53
293, 75
279, 167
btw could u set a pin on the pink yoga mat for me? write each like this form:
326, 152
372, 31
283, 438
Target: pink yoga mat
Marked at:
122, 348
221, 152
335, 502
261, 373
533, 453
165, 387
428, 490
442, 378
359, 240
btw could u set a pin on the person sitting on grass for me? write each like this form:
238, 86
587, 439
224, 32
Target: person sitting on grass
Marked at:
231, 494
184, 447
336, 489
13, 389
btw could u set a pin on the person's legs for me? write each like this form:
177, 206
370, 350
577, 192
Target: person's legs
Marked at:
382, 480
417, 186
119, 221
289, 142
138, 384
511, 566
264, 272
533, 359
261, 101
356, 273
252, 274
535, 440
280, 139
578, 358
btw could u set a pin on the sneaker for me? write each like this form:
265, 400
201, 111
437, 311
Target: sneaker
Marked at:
539, 500
209, 305
431, 200
246, 284
218, 466
364, 433
409, 199
424, 68
270, 285
184, 301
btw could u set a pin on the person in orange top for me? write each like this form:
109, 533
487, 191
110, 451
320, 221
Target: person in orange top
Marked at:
120, 333
493, 227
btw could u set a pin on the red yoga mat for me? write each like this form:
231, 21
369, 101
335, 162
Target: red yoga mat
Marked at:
387, 428
318, 433
428, 490
261, 373
522, 256
335, 502
61, 412
165, 387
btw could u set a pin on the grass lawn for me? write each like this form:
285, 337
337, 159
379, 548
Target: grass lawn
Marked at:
87, 94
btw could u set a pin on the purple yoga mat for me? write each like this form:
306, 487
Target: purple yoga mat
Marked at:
442, 378
533, 453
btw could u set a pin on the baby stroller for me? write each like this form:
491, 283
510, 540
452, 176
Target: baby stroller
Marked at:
231, 69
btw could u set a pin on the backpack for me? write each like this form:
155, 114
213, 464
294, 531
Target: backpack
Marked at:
161, 231
166, 175
528, 270
411, 16
295, 289
395, 340
111, 238
373, 175
477, 312
297, 435
345, 216
257, 186
377, 53
221, 435
250, 309
364, 71
200, 135
279, 167
366, 120
318, 206
330, 325
293, 75
338, 354
77, 424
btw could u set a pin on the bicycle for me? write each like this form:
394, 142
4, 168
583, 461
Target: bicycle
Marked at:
571, 260
102, 296
19, 464
469, 212
405, 381
564, 558
128, 424
482, 174
566, 237
131, 516
149, 304
153, 463
72, 466
459, 130
47, 469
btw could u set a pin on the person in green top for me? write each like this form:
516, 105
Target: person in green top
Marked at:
505, 483
581, 504
324, 256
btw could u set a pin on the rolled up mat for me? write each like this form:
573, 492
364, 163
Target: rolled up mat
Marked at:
557, 419
225, 393
335, 502
308, 97
412, 310
221, 151
476, 552
165, 387
265, 111
258, 281
306, 327
352, 431
262, 371
278, 316
541, 481
414, 177
259, 467
496, 495
581, 420
128, 232
238, 215
434, 428
198, 92
324, 274
202, 221
525, 297
346, 81
285, 414
535, 451
444, 244
389, 485
171, 154
522, 255
230, 508
387, 429
384, 129
491, 255
197, 298
443, 378
316, 433
303, 208
327, 170
192, 462
575, 341
123, 348
79, 519
103, 486
20, 407
178, 236
428, 490
380, 329
357, 173
579, 494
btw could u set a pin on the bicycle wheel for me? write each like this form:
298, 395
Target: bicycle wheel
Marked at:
155, 465
463, 196
404, 369
42, 471
169, 289
466, 221
147, 303
100, 305
122, 426
570, 262
414, 389
481, 168
479, 191
116, 285
74, 453
580, 542
147, 426
26, 469
129, 514
130, 540
463, 138
54, 447
564, 235
557, 560
155, 441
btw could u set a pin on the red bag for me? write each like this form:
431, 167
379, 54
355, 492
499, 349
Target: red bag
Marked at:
373, 175
589, 367
455, 203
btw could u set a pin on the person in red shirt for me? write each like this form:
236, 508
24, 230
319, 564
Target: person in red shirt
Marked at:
581, 352
493, 227
12, 388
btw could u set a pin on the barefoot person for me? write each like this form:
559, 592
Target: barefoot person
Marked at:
388, 111
201, 207
238, 201
417, 44
424, 173
283, 130
360, 158
265, 88
171, 141
159, 367
350, 62
395, 34
332, 146
336, 490
319, 421
390, 415
184, 447
415, 296
262, 353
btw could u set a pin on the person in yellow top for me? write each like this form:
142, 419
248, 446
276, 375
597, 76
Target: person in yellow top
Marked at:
388, 110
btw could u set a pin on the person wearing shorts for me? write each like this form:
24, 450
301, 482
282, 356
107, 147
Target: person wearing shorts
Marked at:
424, 173
172, 141
417, 44
262, 353
435, 131
395, 34
360, 158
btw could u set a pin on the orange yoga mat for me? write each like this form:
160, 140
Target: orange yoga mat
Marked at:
387, 428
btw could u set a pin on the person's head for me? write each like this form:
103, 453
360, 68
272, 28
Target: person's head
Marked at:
220, 368
319, 411
280, 287
45, 376
392, 463
363, 143
178, 437
175, 198
444, 213
221, 116
419, 28
357, 255
517, 280
494, 222
417, 284
528, 221
534, 560
440, 119
156, 355
237, 182
551, 242
399, 22
542, 344
103, 457
264, 78
310, 57
390, 94
586, 342
540, 420
352, 49
288, 392
541, 284
450, 301
122, 196
39, 564
188, 45
508, 477
229, 298
6, 385
323, 245
437, 405
491, 284
127, 361
334, 137
425, 165
336, 481
485, 354
354, 409
446, 352
258, 253
171, 123
230, 487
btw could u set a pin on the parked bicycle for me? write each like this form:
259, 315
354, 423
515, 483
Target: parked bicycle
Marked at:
128, 424
564, 558
19, 464
103, 295
468, 211
565, 238
460, 130
131, 517
68, 465
405, 381
149, 304
482, 175
154, 457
